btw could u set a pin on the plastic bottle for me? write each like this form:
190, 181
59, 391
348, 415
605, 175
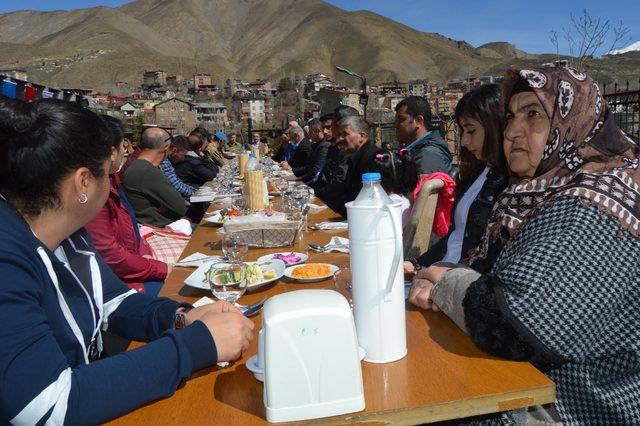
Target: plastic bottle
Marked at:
372, 192
252, 165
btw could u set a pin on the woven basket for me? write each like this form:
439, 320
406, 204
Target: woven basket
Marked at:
267, 234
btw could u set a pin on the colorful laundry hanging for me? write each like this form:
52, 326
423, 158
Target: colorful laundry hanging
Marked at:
30, 93
9, 89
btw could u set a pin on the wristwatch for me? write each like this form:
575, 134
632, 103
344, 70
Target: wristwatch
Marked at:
416, 265
180, 319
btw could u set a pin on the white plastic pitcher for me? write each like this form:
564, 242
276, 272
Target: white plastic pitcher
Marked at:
375, 246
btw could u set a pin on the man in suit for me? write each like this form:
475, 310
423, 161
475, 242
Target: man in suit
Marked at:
302, 149
320, 147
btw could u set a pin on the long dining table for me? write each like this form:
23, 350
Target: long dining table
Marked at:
444, 376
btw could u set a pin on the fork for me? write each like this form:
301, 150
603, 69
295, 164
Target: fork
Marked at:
250, 310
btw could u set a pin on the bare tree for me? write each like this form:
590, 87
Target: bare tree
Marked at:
586, 35
554, 40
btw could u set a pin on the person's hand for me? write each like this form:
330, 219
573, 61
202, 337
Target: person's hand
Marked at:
408, 267
231, 331
420, 294
433, 273
217, 307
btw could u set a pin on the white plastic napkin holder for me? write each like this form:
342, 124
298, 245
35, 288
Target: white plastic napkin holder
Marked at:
311, 362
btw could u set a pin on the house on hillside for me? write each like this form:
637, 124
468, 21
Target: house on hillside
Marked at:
213, 113
129, 110
176, 113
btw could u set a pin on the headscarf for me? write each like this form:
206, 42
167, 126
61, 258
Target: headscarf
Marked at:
586, 156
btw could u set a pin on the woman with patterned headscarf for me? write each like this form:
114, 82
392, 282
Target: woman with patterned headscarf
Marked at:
555, 280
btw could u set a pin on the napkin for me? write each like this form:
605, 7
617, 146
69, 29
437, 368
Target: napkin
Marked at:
340, 244
203, 301
197, 259
181, 226
332, 226
314, 208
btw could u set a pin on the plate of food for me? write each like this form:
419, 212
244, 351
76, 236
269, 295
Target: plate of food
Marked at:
219, 217
259, 274
289, 258
311, 272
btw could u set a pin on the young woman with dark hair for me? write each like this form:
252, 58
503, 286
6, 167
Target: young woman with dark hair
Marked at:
57, 294
115, 233
483, 176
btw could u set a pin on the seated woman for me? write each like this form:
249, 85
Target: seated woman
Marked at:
483, 176
114, 231
57, 294
564, 293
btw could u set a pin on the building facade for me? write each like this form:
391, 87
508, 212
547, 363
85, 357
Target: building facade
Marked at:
175, 113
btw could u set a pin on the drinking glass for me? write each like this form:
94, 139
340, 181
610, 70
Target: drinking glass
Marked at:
228, 281
234, 247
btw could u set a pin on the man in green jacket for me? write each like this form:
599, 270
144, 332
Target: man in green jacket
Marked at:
155, 201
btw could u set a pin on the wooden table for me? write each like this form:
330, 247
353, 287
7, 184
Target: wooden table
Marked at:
444, 376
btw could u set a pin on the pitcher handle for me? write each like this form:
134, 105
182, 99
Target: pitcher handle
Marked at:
397, 257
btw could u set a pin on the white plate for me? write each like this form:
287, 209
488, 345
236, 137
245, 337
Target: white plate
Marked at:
215, 218
289, 271
303, 257
197, 278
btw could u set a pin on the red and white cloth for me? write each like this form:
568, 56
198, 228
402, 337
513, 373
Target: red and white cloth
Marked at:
446, 196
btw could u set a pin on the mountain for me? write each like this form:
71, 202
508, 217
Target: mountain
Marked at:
635, 47
97, 47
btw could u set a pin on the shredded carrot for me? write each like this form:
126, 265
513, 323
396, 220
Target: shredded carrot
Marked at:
311, 270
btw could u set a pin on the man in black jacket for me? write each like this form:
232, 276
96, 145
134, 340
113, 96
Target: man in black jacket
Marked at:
318, 157
196, 170
330, 183
301, 157
353, 139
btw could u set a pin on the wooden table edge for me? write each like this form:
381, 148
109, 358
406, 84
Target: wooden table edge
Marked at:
449, 410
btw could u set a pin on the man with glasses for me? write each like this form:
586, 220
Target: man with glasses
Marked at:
154, 200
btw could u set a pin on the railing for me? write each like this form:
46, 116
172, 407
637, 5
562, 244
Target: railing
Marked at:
625, 105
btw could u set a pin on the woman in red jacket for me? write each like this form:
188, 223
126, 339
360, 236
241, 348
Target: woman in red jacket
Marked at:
115, 230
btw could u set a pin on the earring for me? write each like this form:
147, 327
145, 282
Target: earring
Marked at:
83, 199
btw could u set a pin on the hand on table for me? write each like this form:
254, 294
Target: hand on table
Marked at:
218, 307
408, 267
420, 294
433, 273
231, 331
284, 165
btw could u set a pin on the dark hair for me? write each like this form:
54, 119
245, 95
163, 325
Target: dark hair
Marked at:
181, 143
398, 174
314, 125
343, 111
329, 116
483, 105
116, 127
41, 143
195, 143
201, 132
417, 105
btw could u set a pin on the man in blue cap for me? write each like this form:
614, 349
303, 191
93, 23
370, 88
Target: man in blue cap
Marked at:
215, 148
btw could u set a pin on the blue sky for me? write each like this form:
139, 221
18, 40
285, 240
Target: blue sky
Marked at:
526, 24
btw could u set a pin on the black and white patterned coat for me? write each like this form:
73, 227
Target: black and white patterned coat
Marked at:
565, 295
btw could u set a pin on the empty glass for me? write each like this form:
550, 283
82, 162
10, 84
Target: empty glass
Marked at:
234, 247
228, 281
